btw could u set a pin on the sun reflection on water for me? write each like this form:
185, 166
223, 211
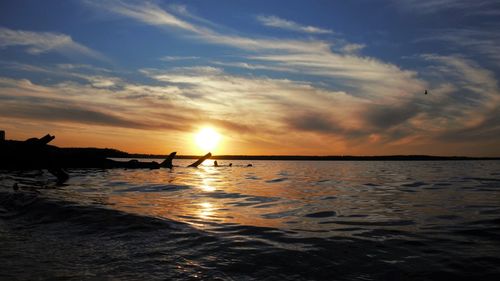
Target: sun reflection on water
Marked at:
207, 188
206, 210
207, 185
203, 196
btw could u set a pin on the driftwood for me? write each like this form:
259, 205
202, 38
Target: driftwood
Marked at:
36, 153
203, 158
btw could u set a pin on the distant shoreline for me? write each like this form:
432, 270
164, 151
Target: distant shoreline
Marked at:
322, 158
114, 153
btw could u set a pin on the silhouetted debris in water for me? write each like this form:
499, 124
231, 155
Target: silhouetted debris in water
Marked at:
36, 153
203, 158
167, 163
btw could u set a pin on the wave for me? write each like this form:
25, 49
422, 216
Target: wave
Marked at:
55, 239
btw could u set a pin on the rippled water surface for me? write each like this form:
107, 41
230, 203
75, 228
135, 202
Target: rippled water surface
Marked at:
277, 220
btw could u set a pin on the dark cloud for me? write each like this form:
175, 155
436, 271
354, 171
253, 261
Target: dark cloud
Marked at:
66, 113
69, 113
232, 126
313, 122
488, 130
387, 116
383, 121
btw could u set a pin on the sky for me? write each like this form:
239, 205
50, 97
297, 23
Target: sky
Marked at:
271, 77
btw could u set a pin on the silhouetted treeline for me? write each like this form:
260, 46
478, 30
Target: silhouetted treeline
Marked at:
350, 158
323, 158
96, 152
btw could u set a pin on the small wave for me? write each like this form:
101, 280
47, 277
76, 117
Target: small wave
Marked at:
322, 214
490, 212
482, 179
253, 200
357, 216
265, 206
280, 215
155, 188
414, 184
322, 181
374, 223
448, 217
277, 180
442, 184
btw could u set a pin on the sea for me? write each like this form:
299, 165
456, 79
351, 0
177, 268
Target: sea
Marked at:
275, 220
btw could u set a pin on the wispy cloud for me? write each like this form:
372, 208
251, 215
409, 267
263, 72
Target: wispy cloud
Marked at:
148, 13
478, 7
484, 42
43, 42
72, 102
178, 58
274, 21
353, 48
468, 106
468, 75
96, 76
368, 76
152, 14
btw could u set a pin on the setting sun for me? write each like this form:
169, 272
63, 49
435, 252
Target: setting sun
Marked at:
207, 139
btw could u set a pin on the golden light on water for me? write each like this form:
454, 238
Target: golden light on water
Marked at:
207, 139
206, 210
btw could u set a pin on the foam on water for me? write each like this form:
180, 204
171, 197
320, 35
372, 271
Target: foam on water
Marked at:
277, 220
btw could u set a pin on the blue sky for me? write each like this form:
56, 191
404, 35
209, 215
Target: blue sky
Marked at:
273, 77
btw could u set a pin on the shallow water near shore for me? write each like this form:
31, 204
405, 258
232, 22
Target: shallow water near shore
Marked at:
277, 220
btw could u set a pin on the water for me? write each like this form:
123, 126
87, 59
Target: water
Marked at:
277, 220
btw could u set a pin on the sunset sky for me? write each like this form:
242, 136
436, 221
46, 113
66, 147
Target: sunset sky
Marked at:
271, 77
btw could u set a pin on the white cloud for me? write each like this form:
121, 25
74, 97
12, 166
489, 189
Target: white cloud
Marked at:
178, 58
370, 76
148, 13
154, 15
274, 21
43, 42
96, 76
353, 48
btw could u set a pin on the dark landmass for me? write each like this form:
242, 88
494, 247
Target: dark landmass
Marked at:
36, 153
